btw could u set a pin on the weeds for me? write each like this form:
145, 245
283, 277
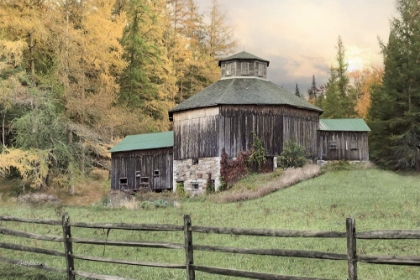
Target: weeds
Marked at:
256, 186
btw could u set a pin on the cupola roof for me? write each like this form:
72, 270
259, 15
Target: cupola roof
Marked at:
243, 56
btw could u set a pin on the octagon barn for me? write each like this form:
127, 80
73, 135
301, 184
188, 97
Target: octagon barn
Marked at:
224, 115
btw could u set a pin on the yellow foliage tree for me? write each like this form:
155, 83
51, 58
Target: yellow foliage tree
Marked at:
362, 82
32, 165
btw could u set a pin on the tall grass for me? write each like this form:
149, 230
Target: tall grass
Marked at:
376, 199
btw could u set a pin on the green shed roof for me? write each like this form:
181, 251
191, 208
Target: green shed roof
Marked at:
343, 125
145, 142
242, 55
243, 91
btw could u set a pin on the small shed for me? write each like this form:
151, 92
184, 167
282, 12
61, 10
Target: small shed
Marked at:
343, 139
143, 161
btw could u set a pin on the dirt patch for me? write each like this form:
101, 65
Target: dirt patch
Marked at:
38, 199
289, 177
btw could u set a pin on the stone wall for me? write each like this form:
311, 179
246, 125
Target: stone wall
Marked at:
194, 175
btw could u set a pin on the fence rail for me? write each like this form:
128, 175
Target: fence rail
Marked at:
188, 229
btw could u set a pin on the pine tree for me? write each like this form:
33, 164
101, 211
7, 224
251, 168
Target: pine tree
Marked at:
297, 92
313, 91
395, 108
338, 102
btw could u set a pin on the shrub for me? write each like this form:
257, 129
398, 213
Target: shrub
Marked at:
180, 191
293, 155
258, 152
210, 188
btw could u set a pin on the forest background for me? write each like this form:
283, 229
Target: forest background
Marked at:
75, 75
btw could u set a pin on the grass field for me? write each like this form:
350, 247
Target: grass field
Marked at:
376, 199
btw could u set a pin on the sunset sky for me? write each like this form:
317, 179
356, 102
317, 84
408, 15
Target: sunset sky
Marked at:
299, 37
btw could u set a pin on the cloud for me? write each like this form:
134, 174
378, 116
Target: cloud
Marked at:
299, 37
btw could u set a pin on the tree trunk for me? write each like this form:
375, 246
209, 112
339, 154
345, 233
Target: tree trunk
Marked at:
71, 175
3, 131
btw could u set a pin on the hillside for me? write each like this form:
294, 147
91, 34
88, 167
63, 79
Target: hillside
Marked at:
376, 199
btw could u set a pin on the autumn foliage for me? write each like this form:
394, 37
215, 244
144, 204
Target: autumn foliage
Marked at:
75, 75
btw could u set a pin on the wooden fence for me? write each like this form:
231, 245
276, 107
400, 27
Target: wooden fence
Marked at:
68, 241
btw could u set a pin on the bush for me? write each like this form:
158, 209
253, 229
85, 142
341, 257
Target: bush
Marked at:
180, 191
258, 152
293, 155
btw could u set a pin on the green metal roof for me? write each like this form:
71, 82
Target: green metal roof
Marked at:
343, 125
243, 91
145, 142
243, 55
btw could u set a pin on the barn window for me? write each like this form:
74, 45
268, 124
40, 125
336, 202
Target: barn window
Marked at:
144, 182
353, 145
156, 173
260, 69
195, 186
123, 181
244, 68
333, 145
195, 161
228, 69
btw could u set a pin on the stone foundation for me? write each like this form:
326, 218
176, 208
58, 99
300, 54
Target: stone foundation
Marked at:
195, 176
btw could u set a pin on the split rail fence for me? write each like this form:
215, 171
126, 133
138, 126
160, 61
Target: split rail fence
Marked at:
68, 241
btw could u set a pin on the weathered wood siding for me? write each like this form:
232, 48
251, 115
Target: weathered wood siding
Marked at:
272, 124
301, 126
136, 166
196, 133
340, 145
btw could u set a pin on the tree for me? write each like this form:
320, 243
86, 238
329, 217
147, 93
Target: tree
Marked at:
363, 82
395, 107
338, 102
313, 91
147, 82
219, 39
297, 92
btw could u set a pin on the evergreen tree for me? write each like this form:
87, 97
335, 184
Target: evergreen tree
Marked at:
313, 91
338, 102
395, 105
297, 92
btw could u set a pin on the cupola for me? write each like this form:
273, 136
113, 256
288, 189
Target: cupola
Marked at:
243, 65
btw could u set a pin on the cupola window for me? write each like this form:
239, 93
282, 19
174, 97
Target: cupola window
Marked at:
245, 68
260, 69
228, 69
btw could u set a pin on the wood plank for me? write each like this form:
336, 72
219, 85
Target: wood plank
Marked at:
145, 244
124, 226
99, 276
389, 234
250, 274
390, 260
274, 252
32, 265
32, 221
148, 264
269, 232
25, 234
31, 249
189, 248
68, 247
351, 249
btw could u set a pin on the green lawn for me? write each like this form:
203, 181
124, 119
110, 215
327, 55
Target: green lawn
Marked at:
376, 199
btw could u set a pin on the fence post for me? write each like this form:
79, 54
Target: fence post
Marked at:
68, 247
189, 248
351, 248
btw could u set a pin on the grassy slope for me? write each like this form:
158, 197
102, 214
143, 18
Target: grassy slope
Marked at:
377, 199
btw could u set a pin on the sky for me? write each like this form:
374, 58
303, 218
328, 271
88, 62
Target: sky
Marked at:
299, 37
